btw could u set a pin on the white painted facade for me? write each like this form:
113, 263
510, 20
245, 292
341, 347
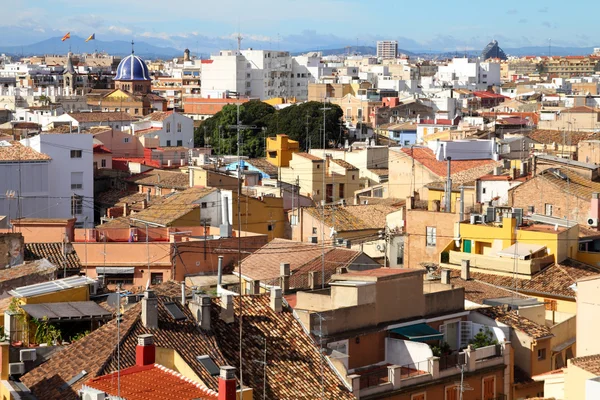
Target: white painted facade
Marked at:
175, 130
464, 149
69, 173
462, 72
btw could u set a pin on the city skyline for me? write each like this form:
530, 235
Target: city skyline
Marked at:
302, 26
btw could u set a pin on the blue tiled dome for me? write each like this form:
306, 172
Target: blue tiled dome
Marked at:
132, 68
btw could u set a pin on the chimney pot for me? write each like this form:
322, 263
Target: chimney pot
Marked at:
145, 351
183, 293
149, 310
227, 308
276, 299
465, 270
227, 383
446, 276
220, 271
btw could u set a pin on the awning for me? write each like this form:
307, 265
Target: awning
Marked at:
73, 310
114, 270
419, 333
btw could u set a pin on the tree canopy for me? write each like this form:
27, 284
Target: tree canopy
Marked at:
262, 120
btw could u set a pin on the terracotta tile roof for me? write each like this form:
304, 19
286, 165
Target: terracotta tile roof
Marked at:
263, 165
141, 132
344, 164
294, 363
309, 156
590, 364
477, 291
96, 353
159, 115
575, 185
151, 382
101, 149
516, 321
379, 171
353, 217
264, 264
173, 207
115, 197
36, 271
426, 157
53, 252
547, 136
580, 109
97, 116
15, 151
554, 280
162, 179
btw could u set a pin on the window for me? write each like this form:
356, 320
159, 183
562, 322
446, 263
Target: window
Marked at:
541, 354
168, 127
483, 190
77, 180
180, 143
168, 143
353, 177
136, 111
179, 127
203, 205
76, 205
118, 279
126, 140
270, 227
431, 235
341, 191
314, 231
548, 209
156, 278
75, 153
318, 166
103, 163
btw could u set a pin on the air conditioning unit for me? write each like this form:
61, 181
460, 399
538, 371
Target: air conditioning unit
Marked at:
27, 355
16, 368
94, 288
593, 222
88, 393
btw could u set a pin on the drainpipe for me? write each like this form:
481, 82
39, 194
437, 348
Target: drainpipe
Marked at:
448, 188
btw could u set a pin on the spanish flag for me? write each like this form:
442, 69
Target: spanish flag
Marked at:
92, 37
67, 36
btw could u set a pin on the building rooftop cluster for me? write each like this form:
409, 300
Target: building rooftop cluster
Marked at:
444, 244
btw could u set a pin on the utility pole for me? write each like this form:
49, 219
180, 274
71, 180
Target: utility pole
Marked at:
324, 197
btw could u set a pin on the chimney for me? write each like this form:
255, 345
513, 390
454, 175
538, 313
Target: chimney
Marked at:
149, 310
225, 226
465, 270
523, 168
276, 299
497, 171
313, 280
220, 272
125, 209
144, 204
145, 351
183, 293
158, 178
341, 270
204, 320
446, 276
227, 308
256, 287
513, 173
284, 272
595, 206
227, 384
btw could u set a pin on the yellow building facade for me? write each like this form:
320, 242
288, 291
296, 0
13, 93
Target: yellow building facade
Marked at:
280, 150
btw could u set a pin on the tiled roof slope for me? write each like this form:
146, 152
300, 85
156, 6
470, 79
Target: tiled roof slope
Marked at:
174, 206
101, 116
96, 353
53, 252
354, 217
516, 321
162, 179
547, 136
294, 363
263, 165
15, 151
461, 169
576, 185
554, 280
344, 164
590, 364
159, 115
264, 264
151, 382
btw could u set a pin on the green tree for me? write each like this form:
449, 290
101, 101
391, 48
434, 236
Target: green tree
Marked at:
483, 338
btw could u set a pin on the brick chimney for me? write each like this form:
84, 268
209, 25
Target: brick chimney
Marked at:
227, 384
276, 299
227, 308
150, 310
284, 272
145, 351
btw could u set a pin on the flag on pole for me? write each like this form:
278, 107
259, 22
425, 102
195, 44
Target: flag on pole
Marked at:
67, 36
92, 37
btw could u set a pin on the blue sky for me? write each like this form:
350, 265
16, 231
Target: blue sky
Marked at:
305, 24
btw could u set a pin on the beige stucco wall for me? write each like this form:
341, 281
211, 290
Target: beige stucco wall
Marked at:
588, 321
575, 378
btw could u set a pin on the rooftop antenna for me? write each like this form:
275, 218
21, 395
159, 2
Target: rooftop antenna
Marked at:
132, 43
239, 41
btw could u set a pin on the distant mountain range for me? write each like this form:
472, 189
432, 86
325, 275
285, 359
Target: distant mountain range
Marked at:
120, 47
78, 45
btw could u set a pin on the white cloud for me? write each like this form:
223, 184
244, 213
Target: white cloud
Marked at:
119, 30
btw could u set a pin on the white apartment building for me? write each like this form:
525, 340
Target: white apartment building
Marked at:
387, 49
70, 174
306, 69
171, 128
471, 74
